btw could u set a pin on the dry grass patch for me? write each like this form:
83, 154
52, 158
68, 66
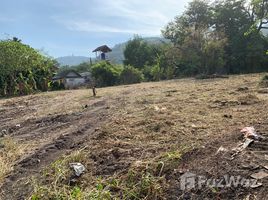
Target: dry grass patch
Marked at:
10, 151
58, 180
144, 180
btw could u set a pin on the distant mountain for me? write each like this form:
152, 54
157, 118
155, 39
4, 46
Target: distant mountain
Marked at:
72, 60
116, 56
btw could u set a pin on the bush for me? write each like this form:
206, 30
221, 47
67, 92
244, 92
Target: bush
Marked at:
23, 70
106, 74
57, 86
131, 75
147, 73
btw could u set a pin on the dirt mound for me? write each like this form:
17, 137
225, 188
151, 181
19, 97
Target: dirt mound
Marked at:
248, 99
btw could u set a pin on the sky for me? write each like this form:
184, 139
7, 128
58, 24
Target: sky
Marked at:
76, 27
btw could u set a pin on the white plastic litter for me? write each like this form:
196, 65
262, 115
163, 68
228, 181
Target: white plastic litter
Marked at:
250, 132
78, 168
259, 175
246, 144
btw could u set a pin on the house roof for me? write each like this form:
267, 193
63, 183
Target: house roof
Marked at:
103, 48
67, 74
85, 74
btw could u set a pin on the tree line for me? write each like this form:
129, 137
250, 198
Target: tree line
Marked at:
210, 37
224, 37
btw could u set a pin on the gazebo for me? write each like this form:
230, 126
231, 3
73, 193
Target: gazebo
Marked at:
101, 52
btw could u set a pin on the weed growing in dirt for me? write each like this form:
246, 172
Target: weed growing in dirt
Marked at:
144, 180
58, 182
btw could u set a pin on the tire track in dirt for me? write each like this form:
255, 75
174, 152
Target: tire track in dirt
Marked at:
16, 186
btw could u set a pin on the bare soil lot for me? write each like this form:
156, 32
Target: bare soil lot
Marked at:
135, 141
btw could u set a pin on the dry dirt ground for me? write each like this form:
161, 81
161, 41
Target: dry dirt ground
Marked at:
155, 132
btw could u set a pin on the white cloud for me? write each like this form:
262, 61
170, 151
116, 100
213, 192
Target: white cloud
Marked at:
88, 26
130, 16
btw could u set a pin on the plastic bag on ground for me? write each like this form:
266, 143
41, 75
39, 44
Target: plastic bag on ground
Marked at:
78, 168
250, 132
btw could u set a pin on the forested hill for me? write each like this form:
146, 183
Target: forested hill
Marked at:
116, 56
72, 60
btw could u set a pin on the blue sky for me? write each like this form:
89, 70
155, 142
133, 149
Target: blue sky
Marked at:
66, 27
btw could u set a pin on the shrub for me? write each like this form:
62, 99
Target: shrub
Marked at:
57, 86
106, 74
264, 81
131, 75
23, 70
156, 72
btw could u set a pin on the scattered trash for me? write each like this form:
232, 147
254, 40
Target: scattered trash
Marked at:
256, 185
251, 166
78, 168
249, 132
266, 157
246, 143
18, 125
250, 136
259, 175
266, 167
241, 147
73, 180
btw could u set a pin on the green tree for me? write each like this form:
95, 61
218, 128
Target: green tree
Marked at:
83, 67
259, 14
19, 64
131, 75
138, 53
197, 16
210, 38
245, 53
106, 74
